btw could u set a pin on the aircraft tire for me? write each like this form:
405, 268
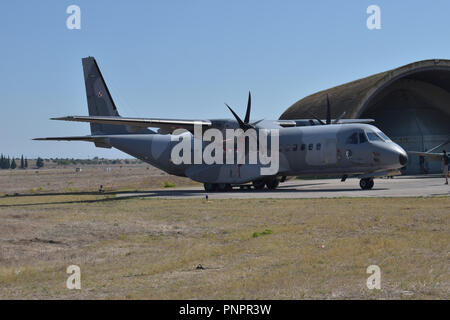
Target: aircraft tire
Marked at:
224, 187
210, 187
258, 184
272, 184
366, 183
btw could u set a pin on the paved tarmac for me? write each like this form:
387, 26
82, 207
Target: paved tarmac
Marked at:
408, 186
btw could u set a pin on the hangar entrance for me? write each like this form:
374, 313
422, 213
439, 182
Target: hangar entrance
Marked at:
414, 111
411, 104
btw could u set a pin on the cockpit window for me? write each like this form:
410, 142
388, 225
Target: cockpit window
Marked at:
373, 136
385, 137
353, 139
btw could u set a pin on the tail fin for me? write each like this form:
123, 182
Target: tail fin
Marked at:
100, 102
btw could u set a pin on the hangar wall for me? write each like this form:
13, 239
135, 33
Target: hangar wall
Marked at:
411, 104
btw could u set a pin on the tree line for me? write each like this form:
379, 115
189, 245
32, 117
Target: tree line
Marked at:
12, 163
8, 163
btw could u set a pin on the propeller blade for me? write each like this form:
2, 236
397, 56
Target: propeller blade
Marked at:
328, 111
256, 122
314, 116
249, 105
437, 147
241, 123
339, 118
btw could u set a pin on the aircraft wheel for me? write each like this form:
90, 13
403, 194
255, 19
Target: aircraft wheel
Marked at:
210, 187
272, 184
223, 187
366, 183
259, 184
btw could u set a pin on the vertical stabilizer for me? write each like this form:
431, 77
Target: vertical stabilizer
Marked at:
100, 102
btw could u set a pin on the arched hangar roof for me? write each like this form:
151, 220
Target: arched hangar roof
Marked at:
357, 96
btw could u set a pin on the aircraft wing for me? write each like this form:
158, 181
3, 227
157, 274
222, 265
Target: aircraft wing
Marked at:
165, 125
312, 122
431, 155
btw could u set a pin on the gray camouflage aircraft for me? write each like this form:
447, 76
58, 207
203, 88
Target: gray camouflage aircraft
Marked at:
335, 147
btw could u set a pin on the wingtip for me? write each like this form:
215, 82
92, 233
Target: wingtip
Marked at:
66, 118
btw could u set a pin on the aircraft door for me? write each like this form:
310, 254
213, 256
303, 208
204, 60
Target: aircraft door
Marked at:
329, 152
355, 149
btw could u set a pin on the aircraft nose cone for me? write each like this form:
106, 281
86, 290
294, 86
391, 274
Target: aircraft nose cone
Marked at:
403, 159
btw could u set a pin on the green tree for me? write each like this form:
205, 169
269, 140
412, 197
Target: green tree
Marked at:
22, 163
8, 163
13, 164
39, 162
26, 163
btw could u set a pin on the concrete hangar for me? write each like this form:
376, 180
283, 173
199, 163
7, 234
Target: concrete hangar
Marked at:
411, 104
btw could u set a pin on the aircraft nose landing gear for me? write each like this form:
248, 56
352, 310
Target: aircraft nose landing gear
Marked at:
366, 183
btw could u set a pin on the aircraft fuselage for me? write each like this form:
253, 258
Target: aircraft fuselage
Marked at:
319, 150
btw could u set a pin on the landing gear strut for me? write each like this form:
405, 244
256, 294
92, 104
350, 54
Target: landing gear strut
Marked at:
366, 183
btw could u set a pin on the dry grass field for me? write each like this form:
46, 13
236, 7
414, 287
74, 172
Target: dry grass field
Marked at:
65, 178
147, 248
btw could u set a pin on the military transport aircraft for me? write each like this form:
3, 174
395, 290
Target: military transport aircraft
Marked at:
348, 148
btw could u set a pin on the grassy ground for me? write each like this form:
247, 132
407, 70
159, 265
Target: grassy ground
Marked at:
66, 179
148, 248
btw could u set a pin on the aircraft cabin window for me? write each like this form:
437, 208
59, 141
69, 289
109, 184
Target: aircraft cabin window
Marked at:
318, 146
373, 136
310, 146
353, 139
362, 137
303, 147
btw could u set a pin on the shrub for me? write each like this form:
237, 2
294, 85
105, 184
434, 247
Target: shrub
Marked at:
168, 184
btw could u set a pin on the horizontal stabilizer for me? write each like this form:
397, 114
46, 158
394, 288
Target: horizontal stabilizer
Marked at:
100, 141
74, 138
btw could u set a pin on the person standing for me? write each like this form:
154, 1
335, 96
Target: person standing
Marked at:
445, 164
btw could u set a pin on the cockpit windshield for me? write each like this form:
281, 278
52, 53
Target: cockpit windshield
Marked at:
385, 137
356, 138
364, 136
373, 136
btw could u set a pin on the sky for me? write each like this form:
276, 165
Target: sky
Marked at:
184, 59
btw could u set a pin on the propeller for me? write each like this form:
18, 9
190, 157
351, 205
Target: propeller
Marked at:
328, 110
245, 125
328, 119
317, 118
339, 118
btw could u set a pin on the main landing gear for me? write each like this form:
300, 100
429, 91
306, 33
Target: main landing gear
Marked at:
366, 183
221, 187
271, 184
